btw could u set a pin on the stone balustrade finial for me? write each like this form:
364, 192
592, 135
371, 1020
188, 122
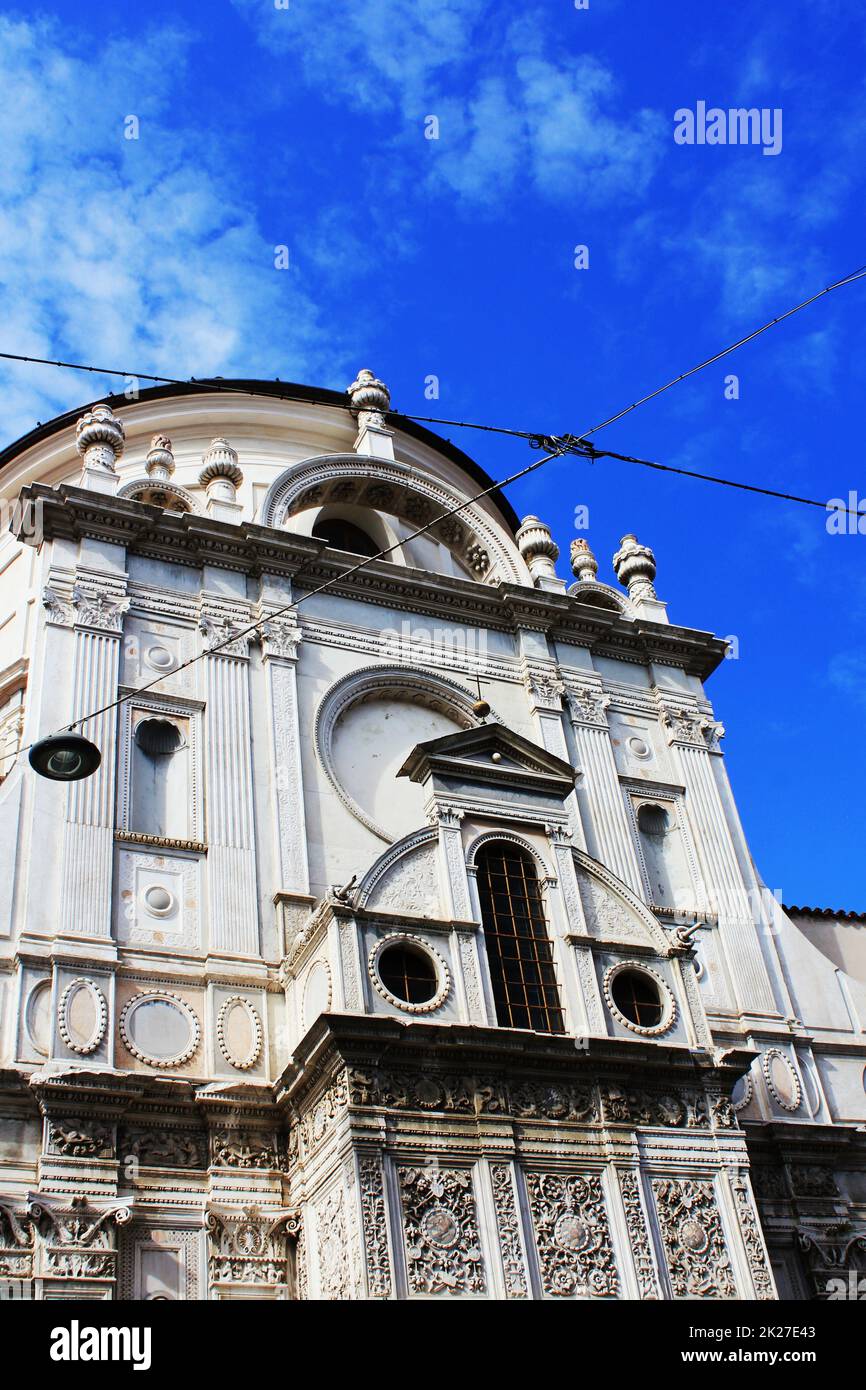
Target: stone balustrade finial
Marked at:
635, 567
584, 565
159, 464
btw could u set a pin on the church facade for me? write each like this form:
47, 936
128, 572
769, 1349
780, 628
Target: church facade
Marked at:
405, 943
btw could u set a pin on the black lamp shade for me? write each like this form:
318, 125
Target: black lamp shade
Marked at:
65, 757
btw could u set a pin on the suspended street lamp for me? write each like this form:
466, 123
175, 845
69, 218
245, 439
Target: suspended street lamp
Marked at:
65, 757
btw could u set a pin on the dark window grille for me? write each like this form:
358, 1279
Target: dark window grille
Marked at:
518, 947
407, 973
637, 997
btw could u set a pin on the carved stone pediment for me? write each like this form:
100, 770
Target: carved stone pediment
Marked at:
492, 756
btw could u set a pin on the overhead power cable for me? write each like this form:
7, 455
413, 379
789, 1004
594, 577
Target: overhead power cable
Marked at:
557, 446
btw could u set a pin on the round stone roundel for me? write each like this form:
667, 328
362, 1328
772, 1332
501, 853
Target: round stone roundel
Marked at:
159, 1028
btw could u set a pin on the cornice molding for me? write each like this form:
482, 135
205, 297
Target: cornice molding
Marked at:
71, 513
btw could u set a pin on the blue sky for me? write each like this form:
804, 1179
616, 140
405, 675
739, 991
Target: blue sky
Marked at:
305, 127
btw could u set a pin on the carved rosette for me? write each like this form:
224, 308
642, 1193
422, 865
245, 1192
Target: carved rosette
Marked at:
443, 1250
638, 1236
572, 1235
375, 1226
697, 1258
508, 1227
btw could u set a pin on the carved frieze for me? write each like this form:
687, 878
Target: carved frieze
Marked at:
572, 1235
80, 1138
681, 1108
16, 1243
697, 1258
247, 1149
443, 1250
164, 1148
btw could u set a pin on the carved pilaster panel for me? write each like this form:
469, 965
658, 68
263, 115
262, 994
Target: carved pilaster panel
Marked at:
335, 1271
753, 1239
440, 1224
697, 1258
509, 1230
375, 1226
638, 1235
572, 1235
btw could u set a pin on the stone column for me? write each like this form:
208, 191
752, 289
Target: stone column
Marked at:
607, 829
281, 638
231, 866
96, 612
724, 891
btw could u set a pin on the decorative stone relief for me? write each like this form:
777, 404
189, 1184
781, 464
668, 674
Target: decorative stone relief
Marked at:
164, 1148
753, 1240
80, 1139
572, 1235
335, 1276
508, 1226
543, 687
351, 983
694, 1244
471, 983
246, 1057
249, 1246
589, 990
408, 884
158, 897
681, 1109
82, 1016
16, 1243
247, 1149
588, 705
607, 915
443, 1251
102, 609
375, 1226
77, 1240
638, 1236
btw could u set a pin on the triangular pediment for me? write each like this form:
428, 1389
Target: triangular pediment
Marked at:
488, 753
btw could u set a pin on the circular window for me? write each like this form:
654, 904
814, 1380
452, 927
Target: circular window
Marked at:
639, 998
158, 737
408, 973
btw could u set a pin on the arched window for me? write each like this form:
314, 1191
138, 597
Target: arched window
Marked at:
518, 947
345, 535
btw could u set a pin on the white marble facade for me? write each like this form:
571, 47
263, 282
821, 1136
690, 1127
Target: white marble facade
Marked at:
209, 1089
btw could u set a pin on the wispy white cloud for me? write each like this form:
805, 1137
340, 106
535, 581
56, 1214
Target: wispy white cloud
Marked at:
128, 252
510, 114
